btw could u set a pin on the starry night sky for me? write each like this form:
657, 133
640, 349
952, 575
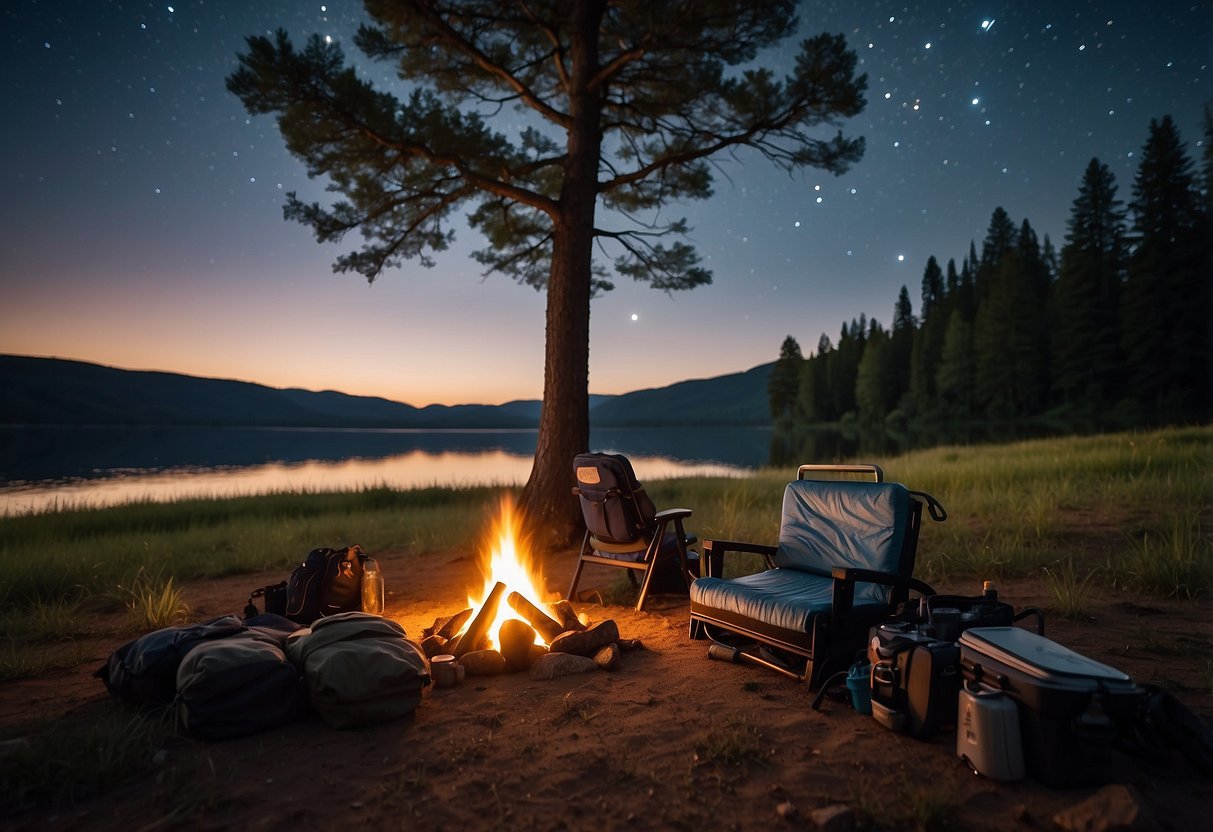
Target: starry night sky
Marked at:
142, 223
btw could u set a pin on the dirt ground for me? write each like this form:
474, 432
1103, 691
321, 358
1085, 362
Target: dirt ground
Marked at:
671, 740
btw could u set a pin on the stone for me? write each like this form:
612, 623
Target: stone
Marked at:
483, 663
516, 638
555, 665
565, 615
433, 646
586, 642
786, 810
836, 818
534, 653
608, 657
630, 645
1115, 808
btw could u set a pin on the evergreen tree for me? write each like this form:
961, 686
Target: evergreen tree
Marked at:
956, 379
900, 352
1087, 363
813, 397
624, 105
928, 342
873, 377
783, 385
1167, 303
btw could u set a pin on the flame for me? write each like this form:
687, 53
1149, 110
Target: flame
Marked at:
510, 563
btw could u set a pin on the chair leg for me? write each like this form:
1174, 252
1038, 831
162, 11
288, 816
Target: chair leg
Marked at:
580, 565
644, 586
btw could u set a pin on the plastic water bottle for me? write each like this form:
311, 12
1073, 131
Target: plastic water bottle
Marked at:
372, 587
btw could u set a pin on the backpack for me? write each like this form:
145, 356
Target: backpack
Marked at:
614, 505
328, 582
239, 685
359, 669
144, 671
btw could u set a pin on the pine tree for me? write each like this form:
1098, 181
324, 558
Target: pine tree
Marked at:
901, 349
955, 381
1087, 363
928, 341
873, 377
784, 382
1167, 303
622, 104
813, 396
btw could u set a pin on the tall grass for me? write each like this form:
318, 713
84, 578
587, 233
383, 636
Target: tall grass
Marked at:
1132, 509
80, 553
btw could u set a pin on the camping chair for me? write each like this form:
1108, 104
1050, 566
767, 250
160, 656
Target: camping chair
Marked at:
845, 558
624, 529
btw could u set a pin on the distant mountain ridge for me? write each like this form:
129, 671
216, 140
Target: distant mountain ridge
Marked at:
53, 391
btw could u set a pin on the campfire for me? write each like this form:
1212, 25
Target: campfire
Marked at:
510, 625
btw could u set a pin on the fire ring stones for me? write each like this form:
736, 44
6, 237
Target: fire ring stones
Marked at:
586, 642
555, 665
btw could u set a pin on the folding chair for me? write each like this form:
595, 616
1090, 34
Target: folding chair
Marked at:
845, 558
624, 528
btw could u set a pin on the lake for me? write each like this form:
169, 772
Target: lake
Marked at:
41, 467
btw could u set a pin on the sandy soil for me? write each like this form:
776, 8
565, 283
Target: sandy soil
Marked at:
669, 741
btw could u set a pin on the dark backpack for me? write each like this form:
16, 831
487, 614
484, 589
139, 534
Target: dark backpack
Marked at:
328, 582
613, 502
144, 671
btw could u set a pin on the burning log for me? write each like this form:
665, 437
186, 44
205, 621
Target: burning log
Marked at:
544, 624
433, 646
479, 627
451, 627
568, 617
516, 638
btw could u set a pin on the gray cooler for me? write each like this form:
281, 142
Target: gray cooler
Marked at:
1071, 708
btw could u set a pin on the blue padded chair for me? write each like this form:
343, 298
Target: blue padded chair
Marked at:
845, 558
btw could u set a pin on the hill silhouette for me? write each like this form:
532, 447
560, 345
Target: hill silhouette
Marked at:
52, 391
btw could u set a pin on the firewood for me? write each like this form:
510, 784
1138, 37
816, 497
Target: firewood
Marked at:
433, 646
516, 638
478, 629
451, 626
544, 624
568, 617
587, 642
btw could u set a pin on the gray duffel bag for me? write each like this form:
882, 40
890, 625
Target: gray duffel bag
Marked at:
238, 685
359, 669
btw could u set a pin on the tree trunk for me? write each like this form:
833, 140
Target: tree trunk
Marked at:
550, 511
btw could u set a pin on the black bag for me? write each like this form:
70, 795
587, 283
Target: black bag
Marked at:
600, 479
144, 671
275, 600
328, 582
915, 679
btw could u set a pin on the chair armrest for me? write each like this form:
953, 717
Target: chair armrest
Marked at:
672, 514
713, 554
845, 579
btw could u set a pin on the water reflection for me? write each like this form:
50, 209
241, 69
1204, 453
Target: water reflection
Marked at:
41, 468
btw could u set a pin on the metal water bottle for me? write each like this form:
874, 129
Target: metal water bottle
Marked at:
372, 587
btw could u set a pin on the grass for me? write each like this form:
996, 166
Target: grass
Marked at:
1072, 593
62, 764
1127, 509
